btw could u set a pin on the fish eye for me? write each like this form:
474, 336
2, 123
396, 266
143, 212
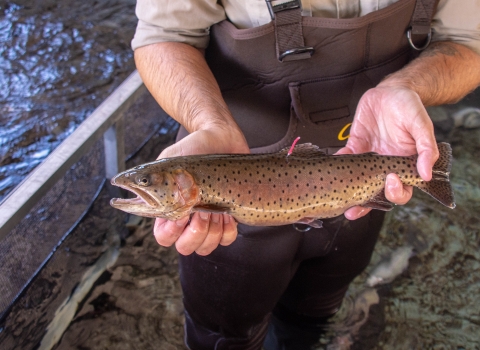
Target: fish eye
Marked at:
143, 180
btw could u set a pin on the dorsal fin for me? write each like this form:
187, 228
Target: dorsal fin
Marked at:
303, 150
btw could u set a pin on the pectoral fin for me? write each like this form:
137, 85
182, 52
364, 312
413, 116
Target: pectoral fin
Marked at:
212, 208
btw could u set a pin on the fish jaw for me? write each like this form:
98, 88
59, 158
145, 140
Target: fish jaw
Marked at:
135, 206
128, 181
143, 204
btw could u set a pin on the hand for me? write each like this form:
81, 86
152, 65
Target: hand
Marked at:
204, 231
392, 120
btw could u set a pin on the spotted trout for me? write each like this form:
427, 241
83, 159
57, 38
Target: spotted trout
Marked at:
276, 188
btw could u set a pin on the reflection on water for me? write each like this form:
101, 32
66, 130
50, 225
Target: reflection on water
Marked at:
58, 61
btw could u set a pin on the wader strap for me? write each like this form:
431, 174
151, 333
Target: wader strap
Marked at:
290, 44
421, 23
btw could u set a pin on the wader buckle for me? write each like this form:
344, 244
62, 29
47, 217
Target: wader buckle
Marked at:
427, 42
294, 4
288, 30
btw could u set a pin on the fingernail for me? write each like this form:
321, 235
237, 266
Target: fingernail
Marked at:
204, 216
215, 218
391, 183
182, 222
226, 219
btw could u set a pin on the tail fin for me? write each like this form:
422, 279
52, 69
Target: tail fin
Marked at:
439, 187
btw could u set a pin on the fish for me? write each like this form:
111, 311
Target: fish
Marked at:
297, 185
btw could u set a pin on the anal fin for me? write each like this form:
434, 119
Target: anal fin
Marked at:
379, 202
313, 222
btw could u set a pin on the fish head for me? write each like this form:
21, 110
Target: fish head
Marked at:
163, 193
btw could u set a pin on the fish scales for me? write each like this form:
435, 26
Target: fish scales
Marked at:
274, 189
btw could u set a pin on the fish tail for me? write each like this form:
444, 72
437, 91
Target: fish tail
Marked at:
439, 187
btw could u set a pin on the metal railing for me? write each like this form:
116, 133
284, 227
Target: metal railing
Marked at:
107, 121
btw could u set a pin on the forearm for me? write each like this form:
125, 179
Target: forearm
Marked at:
180, 80
444, 73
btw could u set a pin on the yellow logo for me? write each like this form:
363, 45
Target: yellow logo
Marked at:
341, 134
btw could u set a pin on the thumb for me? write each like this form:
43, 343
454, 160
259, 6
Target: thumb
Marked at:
425, 163
344, 150
174, 150
427, 156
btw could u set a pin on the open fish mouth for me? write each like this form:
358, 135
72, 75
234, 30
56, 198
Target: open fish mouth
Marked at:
120, 202
142, 199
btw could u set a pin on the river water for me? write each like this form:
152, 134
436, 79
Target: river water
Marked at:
58, 61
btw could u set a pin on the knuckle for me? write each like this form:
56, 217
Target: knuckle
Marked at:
184, 250
229, 237
167, 233
215, 230
161, 240
199, 228
203, 251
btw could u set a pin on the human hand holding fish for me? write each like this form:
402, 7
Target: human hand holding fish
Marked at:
392, 119
201, 232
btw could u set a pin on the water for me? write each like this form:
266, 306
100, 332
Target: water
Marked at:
58, 61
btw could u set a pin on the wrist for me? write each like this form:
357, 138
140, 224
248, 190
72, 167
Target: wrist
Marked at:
393, 81
406, 85
220, 128
227, 138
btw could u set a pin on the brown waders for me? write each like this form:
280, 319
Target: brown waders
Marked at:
296, 76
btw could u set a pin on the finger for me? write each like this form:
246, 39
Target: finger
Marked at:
356, 212
425, 161
166, 232
344, 150
395, 191
229, 230
426, 145
214, 235
194, 234
172, 151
